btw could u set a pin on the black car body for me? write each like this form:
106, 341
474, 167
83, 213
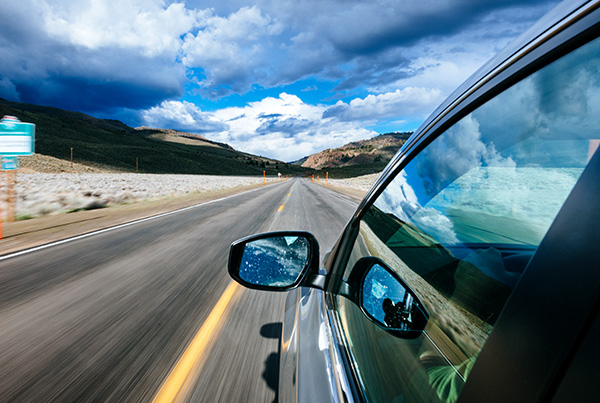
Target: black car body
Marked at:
470, 271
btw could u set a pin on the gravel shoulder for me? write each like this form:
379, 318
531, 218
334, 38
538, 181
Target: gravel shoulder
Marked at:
64, 205
26, 234
357, 188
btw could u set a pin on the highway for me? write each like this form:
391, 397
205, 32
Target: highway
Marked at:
107, 317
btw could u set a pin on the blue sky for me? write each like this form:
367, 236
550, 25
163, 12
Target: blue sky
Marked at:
279, 78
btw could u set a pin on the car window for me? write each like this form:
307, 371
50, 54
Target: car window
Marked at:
463, 218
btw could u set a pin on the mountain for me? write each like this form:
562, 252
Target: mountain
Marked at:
110, 144
176, 136
359, 157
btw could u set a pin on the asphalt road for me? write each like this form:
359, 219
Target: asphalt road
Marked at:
107, 317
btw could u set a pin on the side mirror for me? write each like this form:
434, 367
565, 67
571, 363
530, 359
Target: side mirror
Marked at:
386, 299
276, 261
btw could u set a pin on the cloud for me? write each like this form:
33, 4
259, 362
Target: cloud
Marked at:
284, 127
183, 116
87, 81
400, 200
233, 50
372, 43
93, 56
298, 130
278, 43
406, 102
8, 89
148, 26
129, 58
383, 24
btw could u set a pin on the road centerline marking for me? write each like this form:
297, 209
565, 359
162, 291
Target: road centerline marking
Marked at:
180, 377
288, 196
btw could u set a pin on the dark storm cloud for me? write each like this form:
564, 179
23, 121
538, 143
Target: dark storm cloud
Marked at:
374, 72
69, 55
269, 115
38, 68
74, 78
381, 27
375, 41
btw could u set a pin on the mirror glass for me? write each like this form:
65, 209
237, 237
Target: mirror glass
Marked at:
275, 262
389, 303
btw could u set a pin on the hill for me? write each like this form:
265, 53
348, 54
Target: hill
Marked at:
359, 157
113, 146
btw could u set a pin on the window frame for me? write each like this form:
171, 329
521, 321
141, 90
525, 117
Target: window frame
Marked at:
566, 28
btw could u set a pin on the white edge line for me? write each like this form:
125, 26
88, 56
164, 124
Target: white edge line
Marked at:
127, 224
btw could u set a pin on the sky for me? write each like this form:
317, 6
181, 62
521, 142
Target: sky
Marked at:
278, 78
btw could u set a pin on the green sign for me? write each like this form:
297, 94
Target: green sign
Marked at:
9, 163
16, 137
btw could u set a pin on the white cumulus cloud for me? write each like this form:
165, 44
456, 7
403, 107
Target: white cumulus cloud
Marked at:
230, 49
409, 101
183, 116
284, 128
145, 25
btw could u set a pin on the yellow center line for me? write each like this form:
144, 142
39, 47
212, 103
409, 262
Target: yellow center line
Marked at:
182, 374
288, 195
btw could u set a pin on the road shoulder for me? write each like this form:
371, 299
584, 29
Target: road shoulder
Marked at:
356, 194
27, 234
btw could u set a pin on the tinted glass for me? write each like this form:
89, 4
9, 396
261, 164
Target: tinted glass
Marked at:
462, 220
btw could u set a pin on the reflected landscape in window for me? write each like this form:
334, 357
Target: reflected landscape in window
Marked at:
461, 221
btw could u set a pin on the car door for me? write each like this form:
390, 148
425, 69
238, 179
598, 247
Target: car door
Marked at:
466, 211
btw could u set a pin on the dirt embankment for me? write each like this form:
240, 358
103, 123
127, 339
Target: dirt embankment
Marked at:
41, 194
46, 164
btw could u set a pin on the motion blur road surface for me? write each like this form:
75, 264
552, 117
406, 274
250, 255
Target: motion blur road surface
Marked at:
107, 317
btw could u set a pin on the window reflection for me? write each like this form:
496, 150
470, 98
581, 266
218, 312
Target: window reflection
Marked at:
462, 220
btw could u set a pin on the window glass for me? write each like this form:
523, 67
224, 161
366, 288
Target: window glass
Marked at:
461, 221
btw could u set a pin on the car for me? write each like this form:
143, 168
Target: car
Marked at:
470, 271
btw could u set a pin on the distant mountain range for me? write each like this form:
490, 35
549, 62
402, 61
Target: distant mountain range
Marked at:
368, 156
112, 145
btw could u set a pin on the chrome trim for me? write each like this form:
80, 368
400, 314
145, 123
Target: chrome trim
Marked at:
344, 361
337, 376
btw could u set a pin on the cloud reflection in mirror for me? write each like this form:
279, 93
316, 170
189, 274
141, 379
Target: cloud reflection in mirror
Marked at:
276, 261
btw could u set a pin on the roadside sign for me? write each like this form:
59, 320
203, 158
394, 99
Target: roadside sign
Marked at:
10, 163
16, 137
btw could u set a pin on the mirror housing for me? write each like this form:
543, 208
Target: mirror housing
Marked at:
276, 261
386, 299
